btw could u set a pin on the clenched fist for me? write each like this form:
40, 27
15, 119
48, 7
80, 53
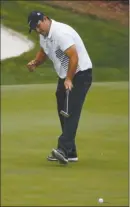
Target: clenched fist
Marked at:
32, 65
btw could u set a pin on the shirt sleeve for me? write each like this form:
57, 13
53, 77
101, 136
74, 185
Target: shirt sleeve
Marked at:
65, 41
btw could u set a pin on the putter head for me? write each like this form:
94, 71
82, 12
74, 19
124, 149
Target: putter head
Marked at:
65, 114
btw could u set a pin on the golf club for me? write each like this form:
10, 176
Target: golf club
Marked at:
65, 113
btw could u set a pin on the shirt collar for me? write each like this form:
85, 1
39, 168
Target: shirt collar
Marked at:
51, 28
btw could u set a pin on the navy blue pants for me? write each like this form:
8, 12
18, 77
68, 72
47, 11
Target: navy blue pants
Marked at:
81, 82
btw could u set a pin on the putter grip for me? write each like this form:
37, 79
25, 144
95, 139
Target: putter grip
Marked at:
67, 92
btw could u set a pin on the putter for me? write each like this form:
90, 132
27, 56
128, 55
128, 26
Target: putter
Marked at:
65, 113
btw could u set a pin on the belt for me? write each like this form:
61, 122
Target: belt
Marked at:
84, 71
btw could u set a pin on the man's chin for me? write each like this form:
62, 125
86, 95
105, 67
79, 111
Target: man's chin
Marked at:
43, 33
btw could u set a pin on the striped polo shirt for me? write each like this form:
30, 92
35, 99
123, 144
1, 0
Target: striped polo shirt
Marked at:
60, 38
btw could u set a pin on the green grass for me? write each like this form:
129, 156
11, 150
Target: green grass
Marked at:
106, 41
30, 128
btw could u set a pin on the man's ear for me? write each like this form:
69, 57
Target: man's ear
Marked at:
46, 18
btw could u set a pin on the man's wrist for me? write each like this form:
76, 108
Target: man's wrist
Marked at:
67, 78
70, 75
37, 62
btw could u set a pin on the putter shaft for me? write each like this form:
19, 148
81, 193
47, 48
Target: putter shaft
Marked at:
65, 113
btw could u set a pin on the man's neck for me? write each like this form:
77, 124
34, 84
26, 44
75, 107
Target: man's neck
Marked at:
49, 26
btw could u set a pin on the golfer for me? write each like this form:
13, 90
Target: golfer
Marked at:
64, 47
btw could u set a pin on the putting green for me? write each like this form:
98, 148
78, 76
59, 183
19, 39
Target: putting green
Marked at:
30, 127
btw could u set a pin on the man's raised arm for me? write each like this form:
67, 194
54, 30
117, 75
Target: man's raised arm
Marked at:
39, 59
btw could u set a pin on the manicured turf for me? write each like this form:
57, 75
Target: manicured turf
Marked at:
30, 127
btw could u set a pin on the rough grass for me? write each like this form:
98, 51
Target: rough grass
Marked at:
106, 41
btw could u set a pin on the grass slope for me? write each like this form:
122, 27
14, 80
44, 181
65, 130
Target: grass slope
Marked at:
106, 41
30, 127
